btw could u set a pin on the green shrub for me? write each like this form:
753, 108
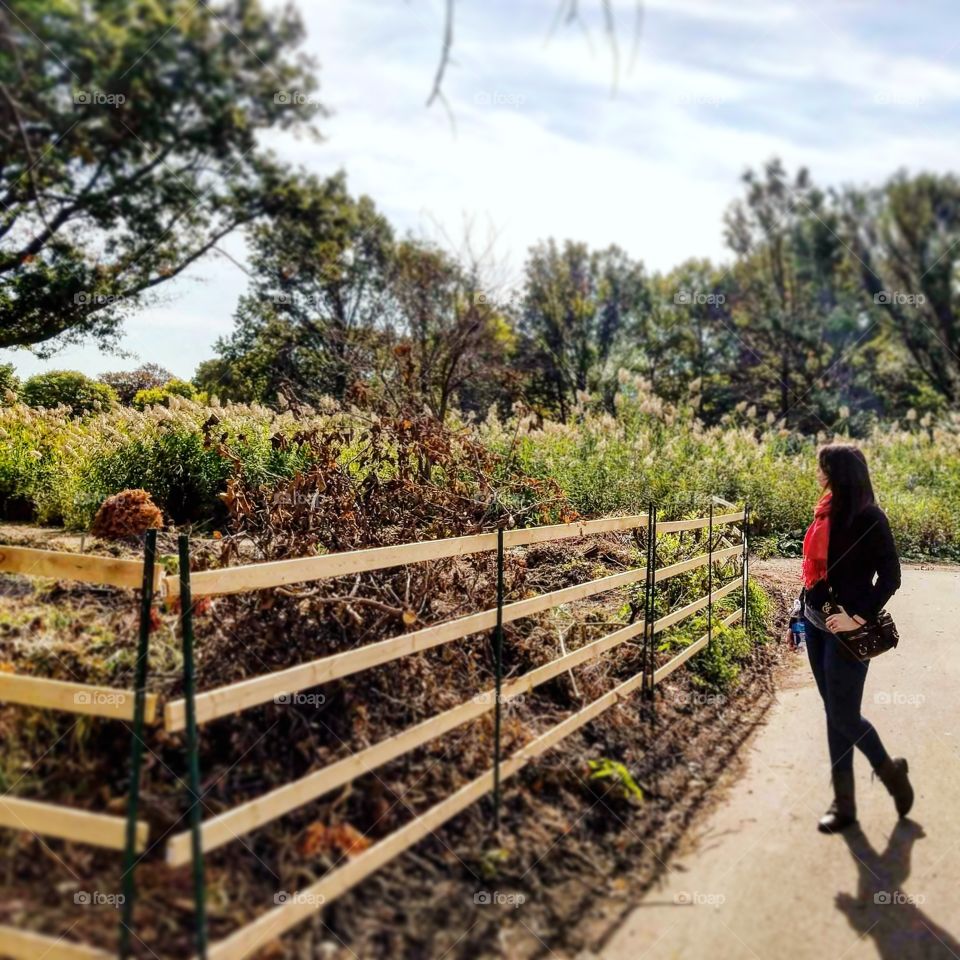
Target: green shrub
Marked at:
162, 394
717, 667
28, 441
65, 468
759, 608
67, 388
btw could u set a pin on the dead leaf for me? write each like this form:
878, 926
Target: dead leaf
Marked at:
319, 838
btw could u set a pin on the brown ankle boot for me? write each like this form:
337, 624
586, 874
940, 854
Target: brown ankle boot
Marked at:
893, 773
843, 810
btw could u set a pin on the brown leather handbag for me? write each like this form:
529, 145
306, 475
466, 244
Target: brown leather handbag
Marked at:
868, 641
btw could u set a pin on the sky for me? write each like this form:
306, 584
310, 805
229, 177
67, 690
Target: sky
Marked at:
551, 133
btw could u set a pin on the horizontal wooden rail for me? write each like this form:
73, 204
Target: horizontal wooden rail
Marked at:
525, 536
234, 823
245, 941
73, 697
72, 566
52, 820
25, 945
675, 526
683, 612
277, 573
664, 573
729, 517
233, 698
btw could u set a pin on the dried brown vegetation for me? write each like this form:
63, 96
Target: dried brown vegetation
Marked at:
126, 516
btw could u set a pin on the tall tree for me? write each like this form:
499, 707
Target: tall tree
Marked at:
906, 240
128, 383
320, 266
129, 135
449, 336
694, 330
576, 306
798, 311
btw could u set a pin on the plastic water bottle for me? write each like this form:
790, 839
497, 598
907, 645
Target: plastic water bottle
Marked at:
798, 630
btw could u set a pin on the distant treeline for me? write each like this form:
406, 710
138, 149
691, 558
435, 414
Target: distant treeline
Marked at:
136, 138
836, 306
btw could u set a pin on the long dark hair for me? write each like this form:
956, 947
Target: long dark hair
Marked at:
849, 478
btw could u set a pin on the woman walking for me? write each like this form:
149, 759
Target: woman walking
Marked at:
848, 544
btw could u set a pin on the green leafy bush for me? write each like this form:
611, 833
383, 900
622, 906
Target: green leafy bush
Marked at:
67, 388
29, 440
717, 667
162, 394
65, 468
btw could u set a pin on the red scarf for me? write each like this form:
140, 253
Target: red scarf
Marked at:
816, 541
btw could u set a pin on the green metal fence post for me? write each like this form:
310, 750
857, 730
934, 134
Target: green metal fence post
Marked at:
136, 742
193, 755
650, 604
646, 606
746, 561
498, 671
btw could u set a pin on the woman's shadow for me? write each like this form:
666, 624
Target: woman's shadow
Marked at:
891, 916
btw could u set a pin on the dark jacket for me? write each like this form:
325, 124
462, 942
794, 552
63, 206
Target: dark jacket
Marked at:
857, 554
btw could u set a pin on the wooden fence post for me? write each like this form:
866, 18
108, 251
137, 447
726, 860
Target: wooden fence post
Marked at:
193, 750
136, 742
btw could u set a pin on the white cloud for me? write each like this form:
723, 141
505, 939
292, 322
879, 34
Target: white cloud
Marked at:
727, 11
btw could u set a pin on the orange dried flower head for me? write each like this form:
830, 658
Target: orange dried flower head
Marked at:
126, 515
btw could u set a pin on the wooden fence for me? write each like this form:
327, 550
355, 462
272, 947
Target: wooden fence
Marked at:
195, 709
136, 706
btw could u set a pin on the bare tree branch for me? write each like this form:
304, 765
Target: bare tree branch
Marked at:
436, 93
568, 11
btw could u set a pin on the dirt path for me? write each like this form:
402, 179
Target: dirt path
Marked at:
757, 880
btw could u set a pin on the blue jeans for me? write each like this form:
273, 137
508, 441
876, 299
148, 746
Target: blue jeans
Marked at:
840, 683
